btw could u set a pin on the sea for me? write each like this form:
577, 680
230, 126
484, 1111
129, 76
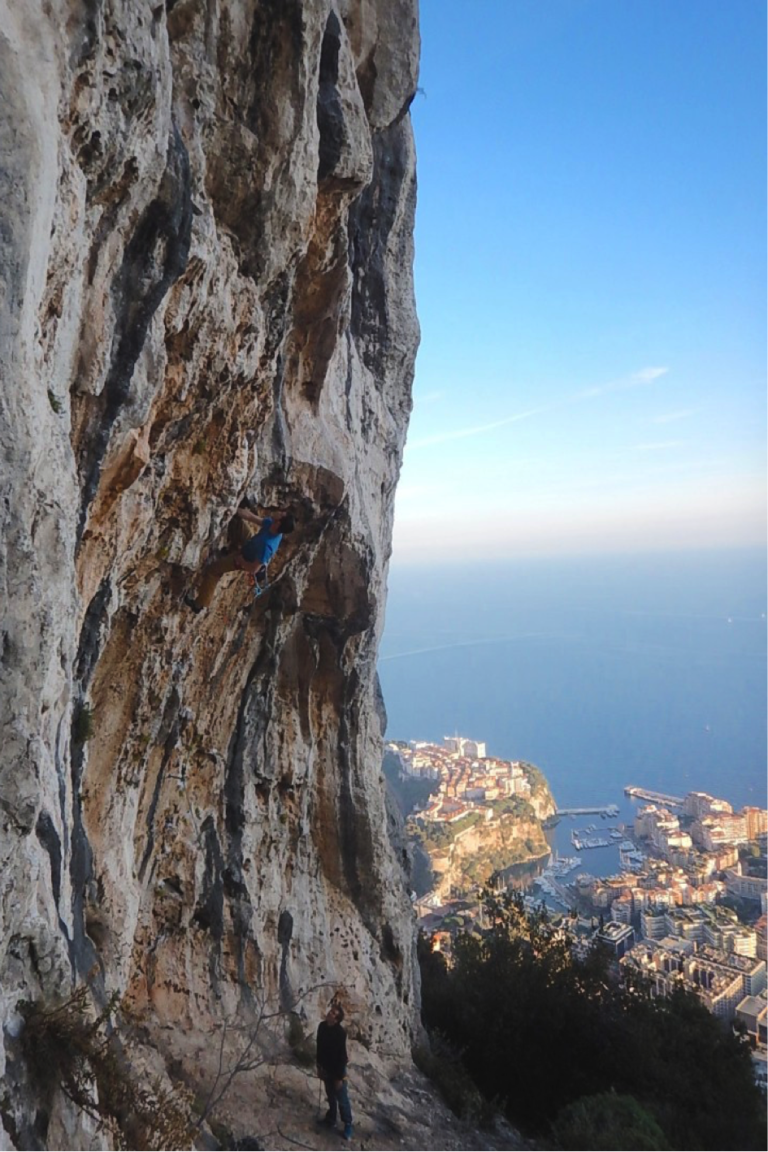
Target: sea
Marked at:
645, 670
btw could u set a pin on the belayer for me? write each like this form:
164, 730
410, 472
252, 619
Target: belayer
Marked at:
332, 1068
252, 557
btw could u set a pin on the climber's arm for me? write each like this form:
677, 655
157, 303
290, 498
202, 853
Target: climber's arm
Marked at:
250, 517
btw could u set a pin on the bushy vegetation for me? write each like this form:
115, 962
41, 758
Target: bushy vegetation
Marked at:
72, 1048
606, 1122
539, 1030
513, 806
536, 777
442, 835
442, 1063
82, 728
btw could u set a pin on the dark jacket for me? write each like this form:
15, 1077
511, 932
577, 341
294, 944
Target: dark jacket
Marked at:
331, 1050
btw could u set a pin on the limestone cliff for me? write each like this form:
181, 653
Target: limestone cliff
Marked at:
206, 294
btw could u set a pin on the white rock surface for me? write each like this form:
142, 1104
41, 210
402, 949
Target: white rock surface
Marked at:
205, 293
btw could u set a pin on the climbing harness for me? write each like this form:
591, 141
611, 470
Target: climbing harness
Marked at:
260, 580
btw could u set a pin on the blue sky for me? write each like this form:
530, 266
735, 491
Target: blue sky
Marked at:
590, 279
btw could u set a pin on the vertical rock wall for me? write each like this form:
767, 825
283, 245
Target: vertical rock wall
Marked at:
205, 294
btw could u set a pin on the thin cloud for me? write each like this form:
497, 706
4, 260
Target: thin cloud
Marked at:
656, 446
669, 417
478, 430
644, 376
428, 398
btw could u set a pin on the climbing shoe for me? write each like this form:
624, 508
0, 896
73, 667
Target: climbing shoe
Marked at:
347, 1133
328, 1121
192, 603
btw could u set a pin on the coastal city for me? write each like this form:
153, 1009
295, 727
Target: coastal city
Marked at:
687, 906
467, 779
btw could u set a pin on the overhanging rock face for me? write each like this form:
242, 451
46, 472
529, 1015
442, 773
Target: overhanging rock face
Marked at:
206, 260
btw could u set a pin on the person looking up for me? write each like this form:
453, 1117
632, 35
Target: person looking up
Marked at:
332, 1067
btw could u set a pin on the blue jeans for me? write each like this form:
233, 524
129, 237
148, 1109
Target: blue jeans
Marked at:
338, 1096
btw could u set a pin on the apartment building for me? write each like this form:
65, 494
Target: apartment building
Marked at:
746, 887
761, 930
719, 982
653, 924
752, 1011
712, 832
620, 938
700, 804
756, 820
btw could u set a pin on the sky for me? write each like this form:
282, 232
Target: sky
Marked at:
590, 279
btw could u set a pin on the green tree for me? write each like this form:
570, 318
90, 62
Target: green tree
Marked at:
539, 1029
607, 1123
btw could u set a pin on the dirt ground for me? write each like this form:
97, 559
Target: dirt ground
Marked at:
393, 1108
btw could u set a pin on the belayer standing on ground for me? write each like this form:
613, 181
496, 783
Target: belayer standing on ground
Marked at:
253, 557
332, 1067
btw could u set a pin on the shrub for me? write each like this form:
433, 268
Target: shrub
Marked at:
608, 1123
82, 729
68, 1047
442, 1064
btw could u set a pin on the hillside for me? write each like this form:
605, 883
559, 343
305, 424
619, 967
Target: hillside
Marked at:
458, 855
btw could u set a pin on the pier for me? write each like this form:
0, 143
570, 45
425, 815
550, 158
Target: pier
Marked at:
602, 810
656, 797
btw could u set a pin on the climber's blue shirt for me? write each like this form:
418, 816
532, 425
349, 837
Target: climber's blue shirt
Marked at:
263, 545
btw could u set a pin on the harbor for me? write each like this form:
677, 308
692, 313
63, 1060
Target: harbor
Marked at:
604, 810
655, 797
553, 883
589, 837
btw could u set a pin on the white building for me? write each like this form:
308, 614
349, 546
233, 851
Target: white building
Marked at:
721, 982
461, 746
699, 804
747, 887
653, 924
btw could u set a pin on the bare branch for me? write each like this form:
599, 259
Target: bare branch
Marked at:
246, 1062
292, 1140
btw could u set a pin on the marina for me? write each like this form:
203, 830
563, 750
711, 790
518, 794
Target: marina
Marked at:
563, 865
582, 838
556, 892
552, 882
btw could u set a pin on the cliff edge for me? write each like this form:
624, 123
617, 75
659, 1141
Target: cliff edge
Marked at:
206, 260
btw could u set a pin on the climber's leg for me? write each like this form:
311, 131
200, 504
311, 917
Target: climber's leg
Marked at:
212, 573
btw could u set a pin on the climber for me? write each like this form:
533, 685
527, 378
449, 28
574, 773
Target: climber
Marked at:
332, 1067
253, 557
